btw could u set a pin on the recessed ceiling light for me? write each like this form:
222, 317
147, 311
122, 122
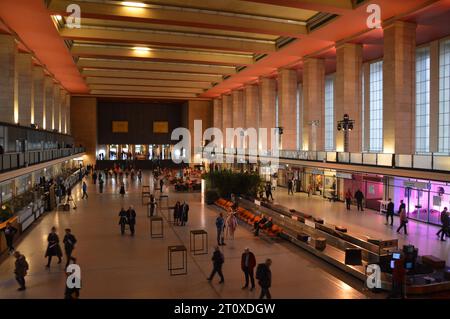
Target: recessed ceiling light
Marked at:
141, 49
133, 4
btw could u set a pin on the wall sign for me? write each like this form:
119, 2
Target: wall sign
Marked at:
120, 126
160, 127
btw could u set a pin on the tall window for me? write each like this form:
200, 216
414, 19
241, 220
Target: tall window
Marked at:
329, 113
376, 107
299, 116
444, 97
363, 109
423, 100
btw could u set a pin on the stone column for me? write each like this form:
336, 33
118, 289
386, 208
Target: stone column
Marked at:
26, 90
348, 93
39, 95
49, 99
62, 110
227, 116
267, 116
314, 101
56, 107
399, 88
9, 107
251, 101
217, 116
287, 109
434, 96
238, 115
68, 112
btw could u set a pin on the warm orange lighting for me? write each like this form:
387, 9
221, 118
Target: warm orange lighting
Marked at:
133, 4
141, 49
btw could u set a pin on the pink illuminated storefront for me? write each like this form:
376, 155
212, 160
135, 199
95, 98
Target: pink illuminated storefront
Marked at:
424, 199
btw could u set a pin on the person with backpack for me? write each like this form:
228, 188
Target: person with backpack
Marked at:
20, 269
218, 260
69, 245
264, 276
131, 218
445, 221
9, 232
220, 226
84, 187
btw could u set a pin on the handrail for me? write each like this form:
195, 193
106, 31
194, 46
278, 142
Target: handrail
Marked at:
12, 161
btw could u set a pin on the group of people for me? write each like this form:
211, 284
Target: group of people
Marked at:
359, 197
127, 217
21, 266
263, 223
248, 264
226, 227
180, 213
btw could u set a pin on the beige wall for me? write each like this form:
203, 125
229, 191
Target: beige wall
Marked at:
83, 123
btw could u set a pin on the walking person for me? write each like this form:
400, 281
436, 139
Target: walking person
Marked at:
359, 196
131, 218
184, 213
445, 221
139, 175
220, 226
9, 232
152, 205
248, 263
218, 260
176, 213
269, 191
348, 198
402, 206
20, 270
53, 248
122, 220
84, 187
122, 189
100, 183
69, 245
390, 212
403, 221
94, 177
264, 276
290, 187
231, 224
161, 185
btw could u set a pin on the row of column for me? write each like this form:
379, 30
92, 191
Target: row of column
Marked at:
27, 94
254, 105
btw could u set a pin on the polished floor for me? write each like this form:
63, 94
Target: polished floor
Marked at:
367, 223
115, 266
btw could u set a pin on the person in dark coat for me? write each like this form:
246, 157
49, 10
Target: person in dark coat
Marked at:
161, 185
20, 270
122, 189
94, 177
69, 245
218, 260
100, 183
53, 248
248, 263
176, 213
220, 226
152, 205
269, 191
184, 213
264, 276
122, 220
131, 217
290, 187
390, 212
359, 196
445, 221
9, 232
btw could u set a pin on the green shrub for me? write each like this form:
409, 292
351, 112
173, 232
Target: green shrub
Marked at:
227, 183
211, 196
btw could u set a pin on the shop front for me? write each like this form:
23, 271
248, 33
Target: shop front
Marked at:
424, 199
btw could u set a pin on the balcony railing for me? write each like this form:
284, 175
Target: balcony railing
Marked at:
11, 161
432, 161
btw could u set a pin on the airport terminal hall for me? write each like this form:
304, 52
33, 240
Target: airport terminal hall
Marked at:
187, 152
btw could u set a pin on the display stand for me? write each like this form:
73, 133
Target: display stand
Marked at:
204, 238
176, 271
156, 219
